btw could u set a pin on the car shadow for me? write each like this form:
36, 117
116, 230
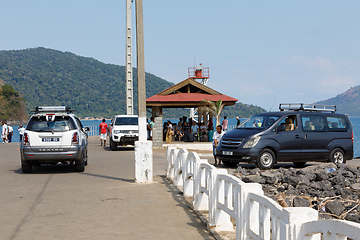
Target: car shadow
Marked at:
48, 168
120, 148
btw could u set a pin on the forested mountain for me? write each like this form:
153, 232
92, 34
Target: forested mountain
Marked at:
50, 77
347, 102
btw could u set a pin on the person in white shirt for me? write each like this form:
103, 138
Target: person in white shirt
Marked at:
21, 130
4, 132
10, 133
216, 139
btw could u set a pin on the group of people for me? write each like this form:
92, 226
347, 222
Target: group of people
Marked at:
7, 132
186, 130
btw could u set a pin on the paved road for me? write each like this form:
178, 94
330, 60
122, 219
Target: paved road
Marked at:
102, 203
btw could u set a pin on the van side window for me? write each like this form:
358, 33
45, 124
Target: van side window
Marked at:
288, 124
313, 123
337, 124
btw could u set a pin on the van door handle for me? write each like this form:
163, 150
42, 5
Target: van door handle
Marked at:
297, 136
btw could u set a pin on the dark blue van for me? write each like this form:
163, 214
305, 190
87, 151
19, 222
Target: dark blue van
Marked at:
297, 133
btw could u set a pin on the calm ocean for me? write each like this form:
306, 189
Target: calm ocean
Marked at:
232, 121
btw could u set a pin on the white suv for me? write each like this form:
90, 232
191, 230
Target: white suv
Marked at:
52, 135
124, 130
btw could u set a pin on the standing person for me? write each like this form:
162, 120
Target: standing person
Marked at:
21, 131
237, 121
151, 127
195, 130
103, 130
4, 132
210, 125
216, 139
169, 132
10, 133
225, 124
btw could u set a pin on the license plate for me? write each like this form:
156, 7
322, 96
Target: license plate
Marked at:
129, 135
227, 153
51, 139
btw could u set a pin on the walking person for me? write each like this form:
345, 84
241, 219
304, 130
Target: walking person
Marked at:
225, 124
10, 133
4, 132
216, 139
21, 131
103, 130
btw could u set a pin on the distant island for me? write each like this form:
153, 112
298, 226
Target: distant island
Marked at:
92, 88
347, 102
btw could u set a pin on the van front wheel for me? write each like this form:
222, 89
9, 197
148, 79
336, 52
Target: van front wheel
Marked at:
266, 159
337, 156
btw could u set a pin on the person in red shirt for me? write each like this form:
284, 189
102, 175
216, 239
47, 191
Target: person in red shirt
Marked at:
103, 129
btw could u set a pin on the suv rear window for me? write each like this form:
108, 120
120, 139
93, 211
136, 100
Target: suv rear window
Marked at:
60, 124
337, 124
126, 121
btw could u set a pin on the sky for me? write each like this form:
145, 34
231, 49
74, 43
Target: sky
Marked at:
259, 52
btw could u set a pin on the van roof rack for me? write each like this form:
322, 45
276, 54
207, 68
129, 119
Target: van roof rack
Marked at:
307, 107
53, 109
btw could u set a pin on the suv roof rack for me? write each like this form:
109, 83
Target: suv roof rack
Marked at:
53, 109
307, 107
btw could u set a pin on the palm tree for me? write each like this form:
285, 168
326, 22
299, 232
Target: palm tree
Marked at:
215, 108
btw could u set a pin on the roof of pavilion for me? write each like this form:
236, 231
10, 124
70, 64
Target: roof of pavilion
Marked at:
188, 93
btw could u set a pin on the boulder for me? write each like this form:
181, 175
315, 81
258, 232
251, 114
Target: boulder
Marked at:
321, 175
335, 207
300, 202
253, 179
353, 217
269, 177
355, 186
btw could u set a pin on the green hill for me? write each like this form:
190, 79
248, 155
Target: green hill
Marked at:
50, 77
347, 102
12, 106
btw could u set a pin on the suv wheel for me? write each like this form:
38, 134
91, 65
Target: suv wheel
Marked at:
266, 159
80, 164
26, 167
337, 156
113, 146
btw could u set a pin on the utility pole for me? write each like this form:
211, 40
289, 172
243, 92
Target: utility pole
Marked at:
143, 148
128, 61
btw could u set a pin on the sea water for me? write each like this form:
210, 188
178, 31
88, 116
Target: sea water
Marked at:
232, 121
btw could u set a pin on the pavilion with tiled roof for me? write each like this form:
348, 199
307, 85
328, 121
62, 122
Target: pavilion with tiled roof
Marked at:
186, 94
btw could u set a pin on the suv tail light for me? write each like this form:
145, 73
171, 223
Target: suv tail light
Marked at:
26, 139
75, 138
352, 136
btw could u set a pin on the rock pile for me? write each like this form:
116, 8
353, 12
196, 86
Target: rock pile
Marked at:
332, 190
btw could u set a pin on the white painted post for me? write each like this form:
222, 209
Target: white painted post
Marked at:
143, 162
178, 167
201, 199
188, 167
294, 217
169, 160
219, 220
244, 208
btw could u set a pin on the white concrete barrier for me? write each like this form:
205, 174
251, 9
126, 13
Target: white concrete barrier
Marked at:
256, 216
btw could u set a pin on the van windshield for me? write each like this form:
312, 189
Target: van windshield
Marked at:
259, 122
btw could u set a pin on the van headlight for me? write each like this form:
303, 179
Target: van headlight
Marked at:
252, 142
117, 131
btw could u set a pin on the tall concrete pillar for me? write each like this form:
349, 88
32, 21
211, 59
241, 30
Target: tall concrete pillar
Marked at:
157, 138
143, 148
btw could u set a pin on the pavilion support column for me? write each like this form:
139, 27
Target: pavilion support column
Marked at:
157, 135
200, 115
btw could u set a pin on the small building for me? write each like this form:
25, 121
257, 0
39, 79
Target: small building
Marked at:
186, 94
